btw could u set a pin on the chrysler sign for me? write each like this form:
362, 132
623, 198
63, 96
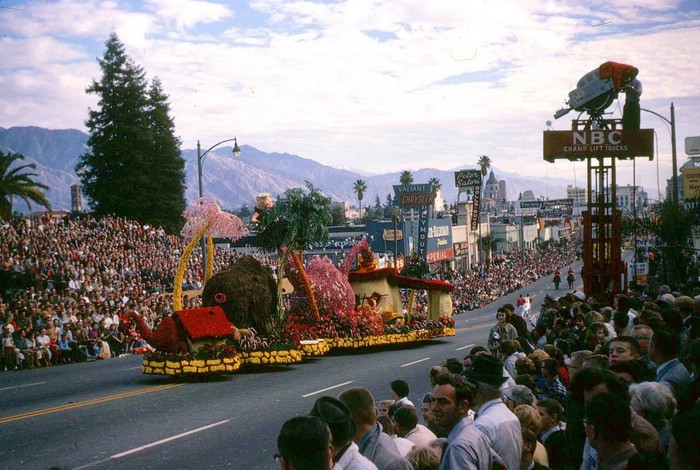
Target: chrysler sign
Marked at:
600, 143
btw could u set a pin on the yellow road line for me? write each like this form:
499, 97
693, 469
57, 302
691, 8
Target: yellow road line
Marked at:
94, 401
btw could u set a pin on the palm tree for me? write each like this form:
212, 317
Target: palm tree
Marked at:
437, 186
406, 177
484, 163
15, 183
297, 220
360, 187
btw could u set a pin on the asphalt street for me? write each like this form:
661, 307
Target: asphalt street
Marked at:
107, 415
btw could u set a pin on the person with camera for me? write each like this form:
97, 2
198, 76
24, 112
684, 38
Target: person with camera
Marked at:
502, 331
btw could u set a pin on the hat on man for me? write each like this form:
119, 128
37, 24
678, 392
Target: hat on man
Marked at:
486, 368
338, 417
580, 295
685, 304
668, 299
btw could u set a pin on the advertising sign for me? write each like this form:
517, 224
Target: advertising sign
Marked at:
423, 222
475, 207
414, 195
527, 208
556, 208
439, 255
390, 235
691, 183
460, 249
465, 178
582, 144
692, 145
418, 196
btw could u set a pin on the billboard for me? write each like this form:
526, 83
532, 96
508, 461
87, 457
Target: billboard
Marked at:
466, 178
414, 195
692, 145
691, 183
460, 249
612, 143
418, 196
476, 206
440, 240
552, 208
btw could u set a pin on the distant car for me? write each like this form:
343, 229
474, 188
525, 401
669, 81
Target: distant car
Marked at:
598, 89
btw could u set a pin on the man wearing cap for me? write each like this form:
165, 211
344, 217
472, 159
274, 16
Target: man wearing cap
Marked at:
467, 447
493, 417
337, 416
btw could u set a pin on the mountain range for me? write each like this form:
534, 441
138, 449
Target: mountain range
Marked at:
235, 181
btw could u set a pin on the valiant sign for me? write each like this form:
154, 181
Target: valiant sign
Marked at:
581, 144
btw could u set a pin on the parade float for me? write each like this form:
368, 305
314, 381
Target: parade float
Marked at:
249, 320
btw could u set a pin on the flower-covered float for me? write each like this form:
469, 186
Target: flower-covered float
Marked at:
196, 341
347, 308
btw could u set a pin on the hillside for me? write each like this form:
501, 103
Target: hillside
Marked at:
235, 181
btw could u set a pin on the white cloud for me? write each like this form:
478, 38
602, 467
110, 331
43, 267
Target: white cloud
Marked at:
383, 85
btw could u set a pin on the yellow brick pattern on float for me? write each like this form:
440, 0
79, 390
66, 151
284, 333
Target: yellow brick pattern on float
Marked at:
196, 366
283, 357
395, 338
315, 348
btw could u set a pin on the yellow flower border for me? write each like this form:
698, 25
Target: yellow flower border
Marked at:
226, 365
385, 340
276, 357
315, 348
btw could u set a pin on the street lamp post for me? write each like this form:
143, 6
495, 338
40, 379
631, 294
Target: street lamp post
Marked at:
674, 160
200, 161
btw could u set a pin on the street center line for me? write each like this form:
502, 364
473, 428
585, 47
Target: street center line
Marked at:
132, 368
80, 404
20, 386
326, 389
152, 444
465, 347
416, 362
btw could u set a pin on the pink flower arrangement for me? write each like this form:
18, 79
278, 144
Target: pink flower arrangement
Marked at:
221, 224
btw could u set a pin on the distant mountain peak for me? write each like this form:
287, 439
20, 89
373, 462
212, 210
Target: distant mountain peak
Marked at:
235, 181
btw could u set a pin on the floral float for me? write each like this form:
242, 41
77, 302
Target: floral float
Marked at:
375, 318
191, 342
256, 351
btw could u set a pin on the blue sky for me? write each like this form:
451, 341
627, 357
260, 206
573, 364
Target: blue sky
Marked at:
373, 85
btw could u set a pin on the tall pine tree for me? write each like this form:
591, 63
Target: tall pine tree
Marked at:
166, 161
133, 167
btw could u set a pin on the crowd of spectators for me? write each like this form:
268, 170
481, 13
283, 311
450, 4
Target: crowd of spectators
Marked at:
84, 276
626, 397
505, 274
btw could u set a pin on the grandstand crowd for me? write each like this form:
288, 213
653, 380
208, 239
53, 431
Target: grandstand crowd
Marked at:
85, 275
